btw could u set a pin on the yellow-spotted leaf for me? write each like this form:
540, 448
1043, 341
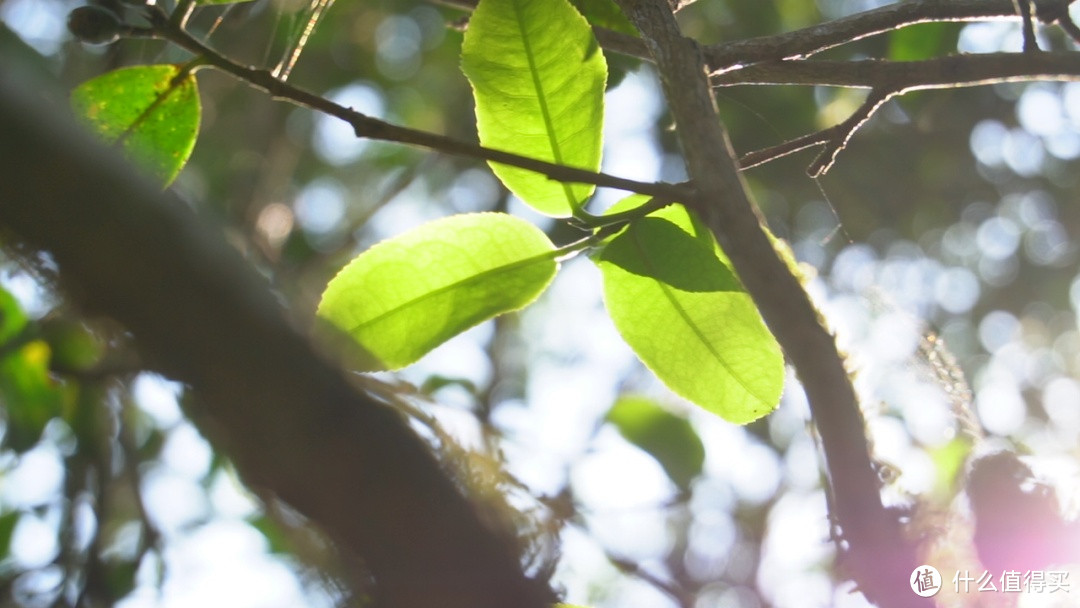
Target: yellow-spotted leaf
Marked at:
677, 303
538, 77
406, 295
152, 111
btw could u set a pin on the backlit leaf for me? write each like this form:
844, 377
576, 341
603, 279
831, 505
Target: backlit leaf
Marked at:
538, 77
151, 110
405, 296
668, 438
678, 304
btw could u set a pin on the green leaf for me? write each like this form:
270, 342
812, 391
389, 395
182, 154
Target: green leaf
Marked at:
605, 14
405, 296
538, 77
674, 298
151, 110
671, 440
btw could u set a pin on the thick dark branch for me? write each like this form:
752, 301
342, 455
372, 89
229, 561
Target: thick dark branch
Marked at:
291, 422
808, 41
877, 556
1027, 19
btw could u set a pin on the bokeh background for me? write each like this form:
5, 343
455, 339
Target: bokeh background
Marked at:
942, 246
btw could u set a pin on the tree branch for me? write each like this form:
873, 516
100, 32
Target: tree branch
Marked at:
877, 556
1024, 8
843, 132
291, 422
802, 43
372, 128
808, 41
953, 71
888, 79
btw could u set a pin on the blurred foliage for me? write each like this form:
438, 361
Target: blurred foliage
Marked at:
668, 438
954, 210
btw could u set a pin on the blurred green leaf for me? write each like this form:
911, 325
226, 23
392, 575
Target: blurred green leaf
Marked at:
923, 41
73, 346
949, 460
538, 76
151, 110
120, 578
680, 307
796, 14
438, 382
668, 438
605, 14
12, 318
30, 397
406, 295
8, 521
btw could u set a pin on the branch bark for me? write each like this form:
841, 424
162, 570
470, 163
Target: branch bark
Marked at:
805, 42
953, 71
290, 421
372, 128
876, 555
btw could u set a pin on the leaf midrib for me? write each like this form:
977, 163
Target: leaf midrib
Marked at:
541, 98
667, 291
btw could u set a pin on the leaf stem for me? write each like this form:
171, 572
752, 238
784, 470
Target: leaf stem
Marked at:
584, 219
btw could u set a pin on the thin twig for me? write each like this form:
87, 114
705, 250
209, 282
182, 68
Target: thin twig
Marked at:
791, 146
634, 569
808, 41
888, 79
1070, 28
843, 132
1059, 14
1024, 9
953, 71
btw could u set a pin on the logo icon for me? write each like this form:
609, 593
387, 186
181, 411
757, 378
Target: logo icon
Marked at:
925, 581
